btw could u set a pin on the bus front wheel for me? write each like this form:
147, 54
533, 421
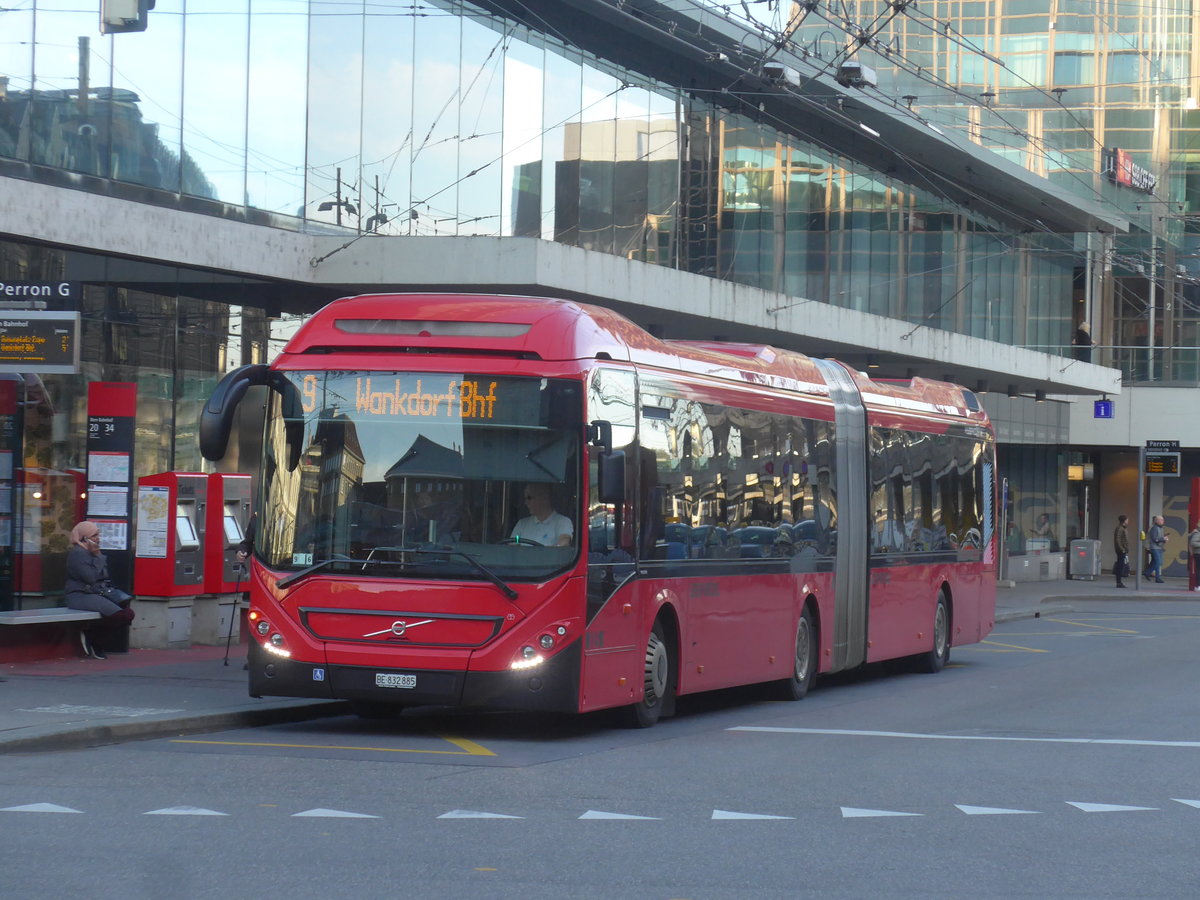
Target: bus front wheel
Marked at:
657, 673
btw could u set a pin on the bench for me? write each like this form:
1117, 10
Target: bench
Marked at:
42, 616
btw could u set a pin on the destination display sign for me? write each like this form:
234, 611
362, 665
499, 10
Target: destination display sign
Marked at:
424, 395
39, 342
1158, 463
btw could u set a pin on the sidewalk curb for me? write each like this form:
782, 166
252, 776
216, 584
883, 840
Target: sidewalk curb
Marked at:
80, 737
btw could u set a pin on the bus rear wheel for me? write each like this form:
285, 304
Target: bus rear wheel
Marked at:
658, 678
804, 665
935, 660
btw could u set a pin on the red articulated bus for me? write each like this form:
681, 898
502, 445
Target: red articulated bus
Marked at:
530, 503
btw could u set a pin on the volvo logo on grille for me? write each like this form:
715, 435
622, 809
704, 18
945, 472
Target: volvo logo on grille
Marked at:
397, 628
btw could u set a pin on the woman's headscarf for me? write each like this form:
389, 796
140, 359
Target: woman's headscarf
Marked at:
86, 530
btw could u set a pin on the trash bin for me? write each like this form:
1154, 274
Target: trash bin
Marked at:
1084, 558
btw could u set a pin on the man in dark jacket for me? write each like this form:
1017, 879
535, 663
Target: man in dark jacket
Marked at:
1158, 543
1121, 546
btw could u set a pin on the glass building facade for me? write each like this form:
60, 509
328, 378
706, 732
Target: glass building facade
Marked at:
437, 117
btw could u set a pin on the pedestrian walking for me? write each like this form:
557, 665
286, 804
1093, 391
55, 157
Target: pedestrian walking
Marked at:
1194, 558
1158, 543
1121, 546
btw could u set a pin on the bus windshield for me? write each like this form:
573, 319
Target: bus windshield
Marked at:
422, 475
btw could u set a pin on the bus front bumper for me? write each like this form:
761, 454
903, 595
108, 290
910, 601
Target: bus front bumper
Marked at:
552, 686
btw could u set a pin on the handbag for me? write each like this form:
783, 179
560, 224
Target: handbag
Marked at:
115, 594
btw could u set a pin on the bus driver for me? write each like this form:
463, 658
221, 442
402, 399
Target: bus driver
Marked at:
543, 525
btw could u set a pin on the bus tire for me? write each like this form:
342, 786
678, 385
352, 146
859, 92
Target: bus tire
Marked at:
659, 676
804, 663
935, 660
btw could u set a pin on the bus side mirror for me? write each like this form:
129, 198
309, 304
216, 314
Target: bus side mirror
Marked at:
216, 419
610, 469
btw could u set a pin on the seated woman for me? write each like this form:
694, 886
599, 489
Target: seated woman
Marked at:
543, 526
87, 572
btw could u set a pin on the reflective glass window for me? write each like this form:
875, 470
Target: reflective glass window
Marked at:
16, 73
215, 72
480, 129
521, 168
334, 112
387, 134
275, 118
597, 153
561, 138
435, 157
661, 152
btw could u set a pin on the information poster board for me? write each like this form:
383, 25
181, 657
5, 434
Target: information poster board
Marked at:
112, 410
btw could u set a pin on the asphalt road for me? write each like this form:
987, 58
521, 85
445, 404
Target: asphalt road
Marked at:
1059, 759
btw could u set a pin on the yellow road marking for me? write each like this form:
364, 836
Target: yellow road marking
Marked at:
1089, 625
471, 748
467, 748
1011, 648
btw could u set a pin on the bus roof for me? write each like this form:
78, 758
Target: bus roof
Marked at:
550, 329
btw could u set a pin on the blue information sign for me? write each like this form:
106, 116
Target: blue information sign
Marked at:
1102, 409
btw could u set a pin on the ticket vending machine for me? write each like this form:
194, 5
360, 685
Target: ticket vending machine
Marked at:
228, 513
171, 518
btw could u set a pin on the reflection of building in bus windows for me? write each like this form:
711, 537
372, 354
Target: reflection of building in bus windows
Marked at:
433, 518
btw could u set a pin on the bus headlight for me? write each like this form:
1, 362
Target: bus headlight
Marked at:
263, 627
528, 659
275, 645
546, 642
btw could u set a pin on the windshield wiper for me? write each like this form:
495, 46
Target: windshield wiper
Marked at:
315, 567
475, 564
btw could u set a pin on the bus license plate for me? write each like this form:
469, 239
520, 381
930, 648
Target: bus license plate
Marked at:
388, 680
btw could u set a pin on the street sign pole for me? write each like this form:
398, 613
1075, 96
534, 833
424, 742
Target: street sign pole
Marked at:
1137, 581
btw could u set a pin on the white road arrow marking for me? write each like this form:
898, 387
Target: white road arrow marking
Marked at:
725, 814
331, 814
995, 811
849, 812
596, 814
1193, 803
471, 814
41, 807
1108, 807
185, 811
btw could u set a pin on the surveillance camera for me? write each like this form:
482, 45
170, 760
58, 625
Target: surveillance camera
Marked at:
852, 73
780, 73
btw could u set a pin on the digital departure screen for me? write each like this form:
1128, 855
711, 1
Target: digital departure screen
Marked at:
39, 342
424, 396
1162, 463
